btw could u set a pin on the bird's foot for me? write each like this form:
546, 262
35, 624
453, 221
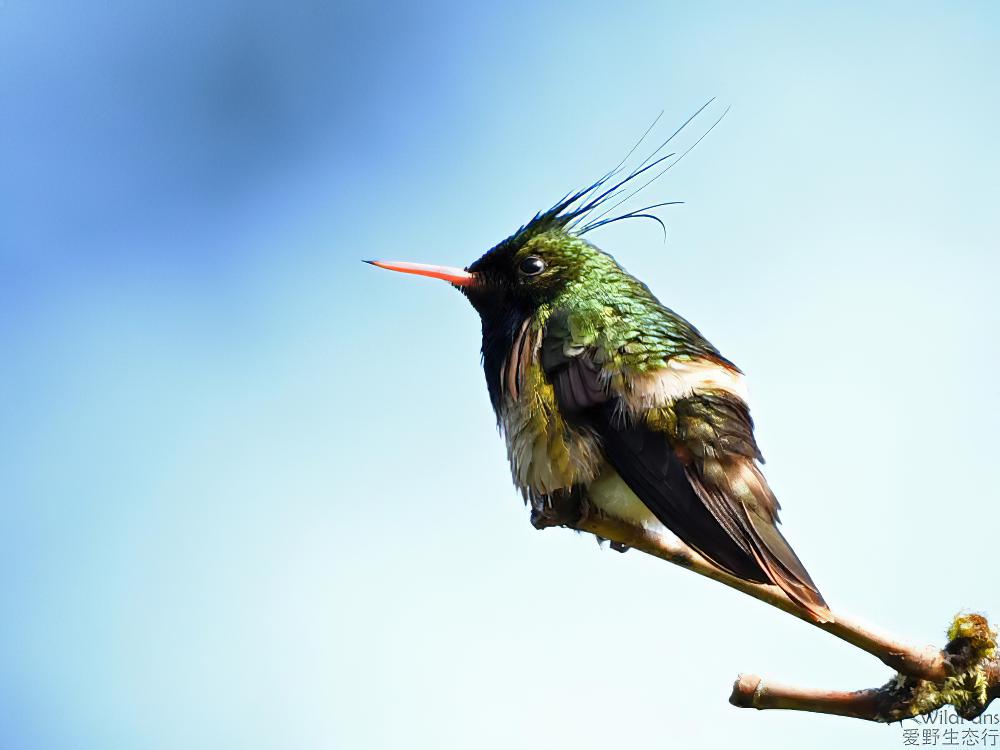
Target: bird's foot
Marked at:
560, 508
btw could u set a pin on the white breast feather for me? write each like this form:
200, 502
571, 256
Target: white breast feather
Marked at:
681, 378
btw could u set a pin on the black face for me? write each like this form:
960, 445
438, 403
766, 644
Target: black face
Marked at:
501, 308
512, 279
505, 279
523, 273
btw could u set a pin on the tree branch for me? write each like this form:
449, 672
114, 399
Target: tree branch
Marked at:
965, 674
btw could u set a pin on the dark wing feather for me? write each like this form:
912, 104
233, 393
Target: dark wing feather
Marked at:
716, 499
576, 380
648, 464
717, 430
642, 457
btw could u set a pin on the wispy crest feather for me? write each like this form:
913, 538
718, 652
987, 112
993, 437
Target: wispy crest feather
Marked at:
594, 206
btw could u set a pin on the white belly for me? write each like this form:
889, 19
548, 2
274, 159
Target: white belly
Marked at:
611, 495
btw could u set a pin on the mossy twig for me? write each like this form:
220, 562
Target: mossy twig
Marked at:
964, 674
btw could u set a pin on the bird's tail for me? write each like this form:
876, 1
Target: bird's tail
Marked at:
783, 567
742, 502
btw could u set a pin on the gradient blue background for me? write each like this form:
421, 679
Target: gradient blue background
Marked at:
252, 492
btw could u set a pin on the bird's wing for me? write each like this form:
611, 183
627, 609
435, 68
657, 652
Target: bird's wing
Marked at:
714, 432
681, 437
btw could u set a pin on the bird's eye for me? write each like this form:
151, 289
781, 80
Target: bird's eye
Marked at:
531, 266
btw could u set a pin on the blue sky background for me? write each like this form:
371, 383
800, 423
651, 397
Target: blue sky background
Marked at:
252, 492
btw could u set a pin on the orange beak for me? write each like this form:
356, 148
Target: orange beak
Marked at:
456, 276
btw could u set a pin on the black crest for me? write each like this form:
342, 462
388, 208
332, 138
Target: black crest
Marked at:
595, 205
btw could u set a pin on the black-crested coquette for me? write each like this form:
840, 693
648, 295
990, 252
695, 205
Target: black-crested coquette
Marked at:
610, 402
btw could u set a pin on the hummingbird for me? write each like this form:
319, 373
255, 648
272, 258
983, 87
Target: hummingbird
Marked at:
610, 401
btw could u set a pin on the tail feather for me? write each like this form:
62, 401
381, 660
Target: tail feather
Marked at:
737, 494
778, 559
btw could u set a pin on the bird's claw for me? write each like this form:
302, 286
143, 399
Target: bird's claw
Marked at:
564, 508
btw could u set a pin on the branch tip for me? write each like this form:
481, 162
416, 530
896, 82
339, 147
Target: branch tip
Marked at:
965, 674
